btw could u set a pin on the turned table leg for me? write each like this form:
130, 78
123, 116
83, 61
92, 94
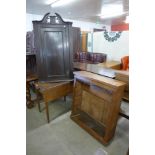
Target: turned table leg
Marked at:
29, 102
128, 152
38, 99
39, 105
47, 112
65, 98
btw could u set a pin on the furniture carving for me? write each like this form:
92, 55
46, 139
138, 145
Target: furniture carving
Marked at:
47, 19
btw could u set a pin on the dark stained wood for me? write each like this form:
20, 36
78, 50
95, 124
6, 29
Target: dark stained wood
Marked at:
80, 66
127, 152
54, 46
94, 68
96, 104
111, 64
51, 92
65, 98
47, 112
31, 67
30, 49
76, 34
97, 68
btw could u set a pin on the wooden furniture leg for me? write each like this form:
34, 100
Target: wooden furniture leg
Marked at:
39, 106
128, 152
65, 98
47, 112
29, 102
52, 91
38, 100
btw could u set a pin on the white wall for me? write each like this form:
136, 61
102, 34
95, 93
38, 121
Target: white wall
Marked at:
85, 26
29, 19
114, 50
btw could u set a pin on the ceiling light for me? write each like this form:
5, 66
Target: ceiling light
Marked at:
111, 15
110, 10
48, 2
58, 3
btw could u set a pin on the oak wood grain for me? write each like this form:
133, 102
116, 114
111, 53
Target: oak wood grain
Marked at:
99, 98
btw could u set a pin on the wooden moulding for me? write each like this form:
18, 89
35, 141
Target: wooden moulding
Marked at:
124, 76
52, 91
90, 126
96, 104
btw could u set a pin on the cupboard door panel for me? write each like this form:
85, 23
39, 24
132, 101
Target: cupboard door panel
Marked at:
55, 53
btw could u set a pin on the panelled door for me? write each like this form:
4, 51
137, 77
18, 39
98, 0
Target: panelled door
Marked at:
55, 53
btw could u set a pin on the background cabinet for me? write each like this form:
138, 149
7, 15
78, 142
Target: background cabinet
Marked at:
76, 35
54, 46
30, 54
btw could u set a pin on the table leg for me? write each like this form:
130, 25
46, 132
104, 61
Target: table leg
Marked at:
47, 112
128, 152
38, 101
65, 98
29, 102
